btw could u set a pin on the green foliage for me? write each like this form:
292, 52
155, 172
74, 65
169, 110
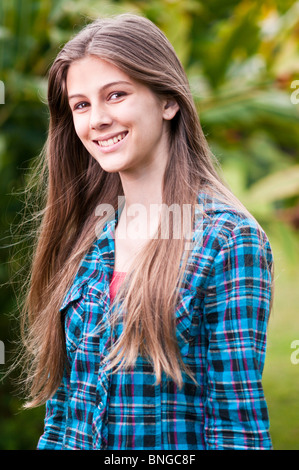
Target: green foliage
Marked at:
241, 58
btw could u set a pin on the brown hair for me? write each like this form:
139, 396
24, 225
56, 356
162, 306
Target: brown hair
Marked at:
76, 184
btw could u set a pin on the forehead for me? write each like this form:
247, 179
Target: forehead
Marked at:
92, 70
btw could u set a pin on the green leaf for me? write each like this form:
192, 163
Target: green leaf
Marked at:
278, 186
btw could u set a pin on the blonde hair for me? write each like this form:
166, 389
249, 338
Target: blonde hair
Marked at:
76, 185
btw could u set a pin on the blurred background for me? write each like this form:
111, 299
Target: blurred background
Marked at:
242, 60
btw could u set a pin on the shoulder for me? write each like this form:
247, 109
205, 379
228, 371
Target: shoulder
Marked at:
221, 223
227, 235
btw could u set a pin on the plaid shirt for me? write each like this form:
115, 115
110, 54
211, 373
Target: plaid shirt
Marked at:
221, 323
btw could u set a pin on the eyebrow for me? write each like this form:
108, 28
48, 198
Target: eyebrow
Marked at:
103, 88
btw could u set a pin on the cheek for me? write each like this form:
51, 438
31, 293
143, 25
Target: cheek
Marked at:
81, 127
150, 116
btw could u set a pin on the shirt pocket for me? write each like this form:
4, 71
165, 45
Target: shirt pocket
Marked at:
187, 320
73, 313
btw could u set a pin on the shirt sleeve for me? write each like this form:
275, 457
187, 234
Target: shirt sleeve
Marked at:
236, 311
55, 419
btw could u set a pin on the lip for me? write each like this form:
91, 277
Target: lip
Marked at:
112, 147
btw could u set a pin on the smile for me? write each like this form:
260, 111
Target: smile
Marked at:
112, 140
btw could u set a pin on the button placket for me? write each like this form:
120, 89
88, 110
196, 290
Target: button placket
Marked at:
100, 422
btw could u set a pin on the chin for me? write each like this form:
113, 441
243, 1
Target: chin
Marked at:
111, 168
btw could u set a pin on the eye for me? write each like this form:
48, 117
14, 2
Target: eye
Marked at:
81, 105
116, 95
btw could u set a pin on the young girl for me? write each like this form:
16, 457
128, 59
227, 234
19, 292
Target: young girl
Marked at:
151, 284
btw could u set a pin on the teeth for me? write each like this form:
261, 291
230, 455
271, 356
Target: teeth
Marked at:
114, 140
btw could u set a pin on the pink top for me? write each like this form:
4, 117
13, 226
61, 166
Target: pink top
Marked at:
116, 281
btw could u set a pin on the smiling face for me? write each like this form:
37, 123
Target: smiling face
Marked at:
121, 122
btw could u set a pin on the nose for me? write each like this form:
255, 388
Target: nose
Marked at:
99, 117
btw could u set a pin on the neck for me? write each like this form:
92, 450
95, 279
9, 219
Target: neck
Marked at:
145, 187
143, 197
142, 191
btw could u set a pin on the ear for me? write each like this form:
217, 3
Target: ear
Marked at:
170, 108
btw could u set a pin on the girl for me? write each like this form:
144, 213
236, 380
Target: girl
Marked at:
150, 289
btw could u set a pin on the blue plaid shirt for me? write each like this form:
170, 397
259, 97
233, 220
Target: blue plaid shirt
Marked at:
221, 323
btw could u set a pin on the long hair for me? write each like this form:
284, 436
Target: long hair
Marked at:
76, 184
